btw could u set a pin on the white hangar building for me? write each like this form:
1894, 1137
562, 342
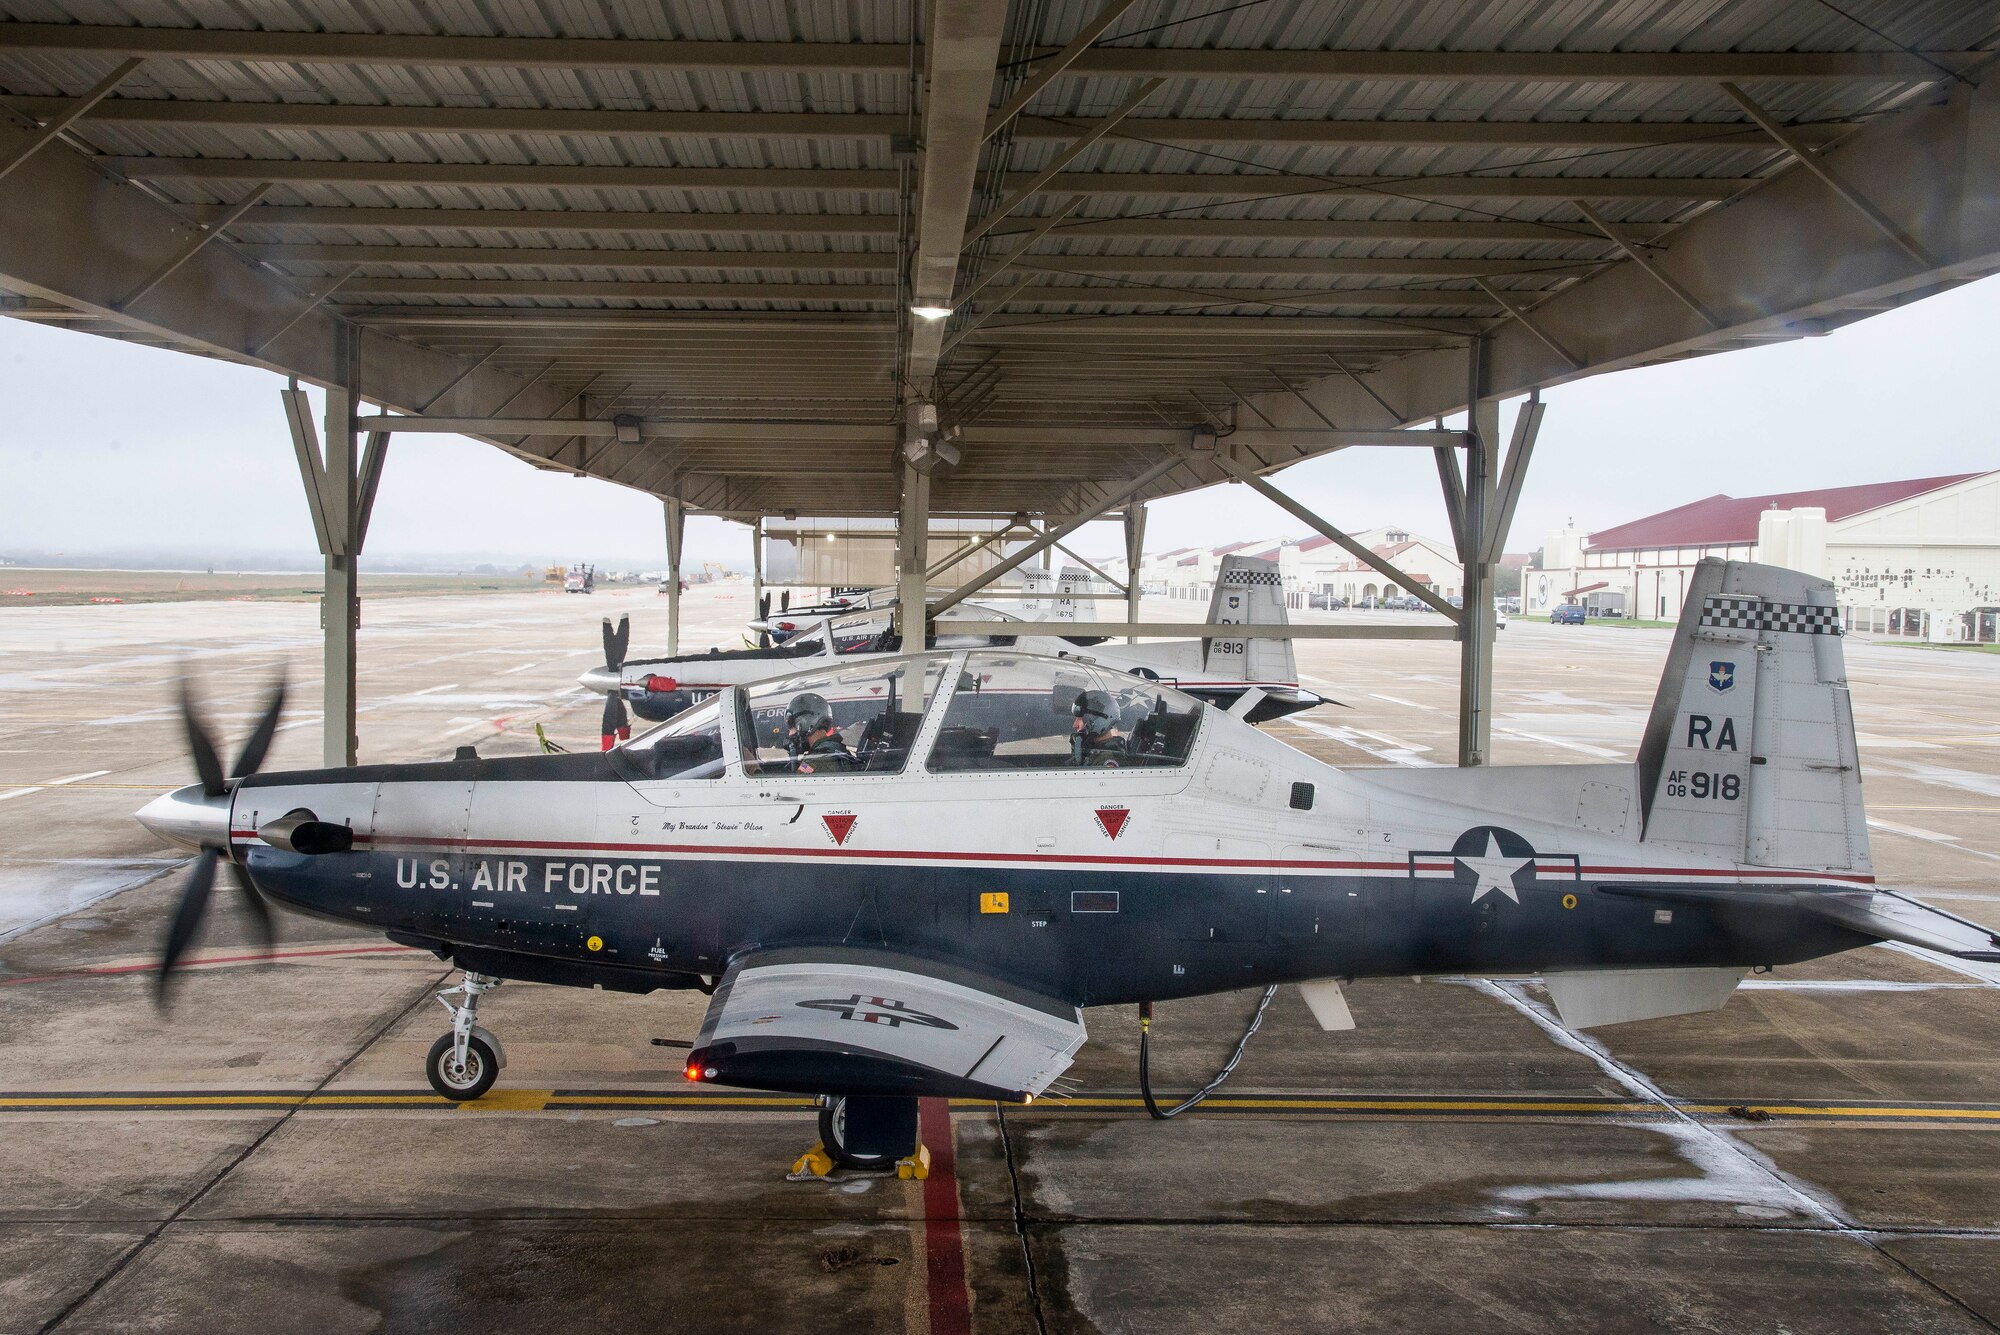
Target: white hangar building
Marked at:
1918, 558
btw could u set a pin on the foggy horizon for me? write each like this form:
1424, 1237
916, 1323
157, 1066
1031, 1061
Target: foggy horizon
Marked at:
119, 452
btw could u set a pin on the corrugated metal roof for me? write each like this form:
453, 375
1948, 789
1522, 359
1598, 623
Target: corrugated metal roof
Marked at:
1205, 221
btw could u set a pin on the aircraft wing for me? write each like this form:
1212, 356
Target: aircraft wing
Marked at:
841, 1020
1878, 913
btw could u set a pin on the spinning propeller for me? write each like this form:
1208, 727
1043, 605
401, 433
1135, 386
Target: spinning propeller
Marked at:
617, 727
764, 621
214, 842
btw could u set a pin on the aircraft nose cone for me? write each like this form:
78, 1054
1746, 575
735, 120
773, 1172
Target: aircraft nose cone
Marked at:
600, 679
189, 817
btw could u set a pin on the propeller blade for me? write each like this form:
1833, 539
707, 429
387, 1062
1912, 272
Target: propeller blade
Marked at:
251, 758
614, 719
187, 917
207, 765
764, 607
785, 601
615, 642
253, 899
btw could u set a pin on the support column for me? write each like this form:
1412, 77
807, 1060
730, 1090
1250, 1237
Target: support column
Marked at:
1475, 662
913, 532
340, 608
676, 524
757, 566
340, 493
1135, 543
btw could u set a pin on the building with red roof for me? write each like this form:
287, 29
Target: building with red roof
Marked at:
1916, 557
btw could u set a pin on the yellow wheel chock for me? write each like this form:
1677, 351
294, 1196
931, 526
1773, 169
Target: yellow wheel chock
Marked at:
916, 1167
811, 1166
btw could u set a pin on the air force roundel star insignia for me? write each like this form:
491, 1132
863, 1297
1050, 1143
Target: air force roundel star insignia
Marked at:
1721, 676
1489, 858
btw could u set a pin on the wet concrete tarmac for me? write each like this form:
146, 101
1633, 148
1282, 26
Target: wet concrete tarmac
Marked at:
1820, 1155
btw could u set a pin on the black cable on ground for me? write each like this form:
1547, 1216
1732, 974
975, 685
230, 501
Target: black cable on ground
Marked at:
1153, 1108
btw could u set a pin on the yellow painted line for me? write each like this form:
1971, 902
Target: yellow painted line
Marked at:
1373, 1105
1792, 1110
697, 1100
545, 1100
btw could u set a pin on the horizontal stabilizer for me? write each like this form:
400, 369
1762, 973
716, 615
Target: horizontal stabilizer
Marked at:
1882, 914
1895, 918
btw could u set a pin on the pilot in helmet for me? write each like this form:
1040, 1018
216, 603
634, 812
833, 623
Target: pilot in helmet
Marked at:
1095, 738
810, 733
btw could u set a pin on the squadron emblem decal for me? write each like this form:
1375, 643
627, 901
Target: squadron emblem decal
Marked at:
1112, 820
1721, 676
876, 1010
839, 824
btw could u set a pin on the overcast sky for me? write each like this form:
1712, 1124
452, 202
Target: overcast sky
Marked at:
110, 447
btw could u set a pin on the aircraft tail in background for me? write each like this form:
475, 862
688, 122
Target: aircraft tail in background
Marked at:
1249, 591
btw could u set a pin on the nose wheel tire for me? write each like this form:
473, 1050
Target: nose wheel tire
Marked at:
464, 1081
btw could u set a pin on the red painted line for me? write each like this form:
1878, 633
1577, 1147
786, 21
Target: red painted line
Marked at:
944, 1244
262, 956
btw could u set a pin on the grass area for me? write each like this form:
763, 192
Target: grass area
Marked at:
1950, 648
22, 586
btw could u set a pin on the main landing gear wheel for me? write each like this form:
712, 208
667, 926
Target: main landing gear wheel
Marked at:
861, 1131
462, 1079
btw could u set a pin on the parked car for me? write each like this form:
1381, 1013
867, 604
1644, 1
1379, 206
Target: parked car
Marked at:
1327, 602
1569, 614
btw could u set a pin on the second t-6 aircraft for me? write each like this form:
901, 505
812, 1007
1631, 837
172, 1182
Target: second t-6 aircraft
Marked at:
906, 876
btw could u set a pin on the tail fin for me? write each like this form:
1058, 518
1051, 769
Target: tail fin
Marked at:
1249, 591
1750, 753
1039, 585
1069, 607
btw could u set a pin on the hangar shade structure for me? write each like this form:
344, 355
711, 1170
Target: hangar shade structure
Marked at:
1167, 244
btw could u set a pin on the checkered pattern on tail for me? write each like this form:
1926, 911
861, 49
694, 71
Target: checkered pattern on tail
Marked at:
1248, 577
1755, 614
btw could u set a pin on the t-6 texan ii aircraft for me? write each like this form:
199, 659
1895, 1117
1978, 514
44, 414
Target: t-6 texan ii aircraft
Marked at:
1219, 671
919, 902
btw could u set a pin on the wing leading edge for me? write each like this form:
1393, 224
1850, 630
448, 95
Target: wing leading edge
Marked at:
840, 1020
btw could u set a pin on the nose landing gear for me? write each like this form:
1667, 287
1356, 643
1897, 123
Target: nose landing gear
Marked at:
464, 1063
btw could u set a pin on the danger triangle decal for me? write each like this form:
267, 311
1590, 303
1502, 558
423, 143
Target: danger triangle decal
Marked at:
1112, 819
839, 825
